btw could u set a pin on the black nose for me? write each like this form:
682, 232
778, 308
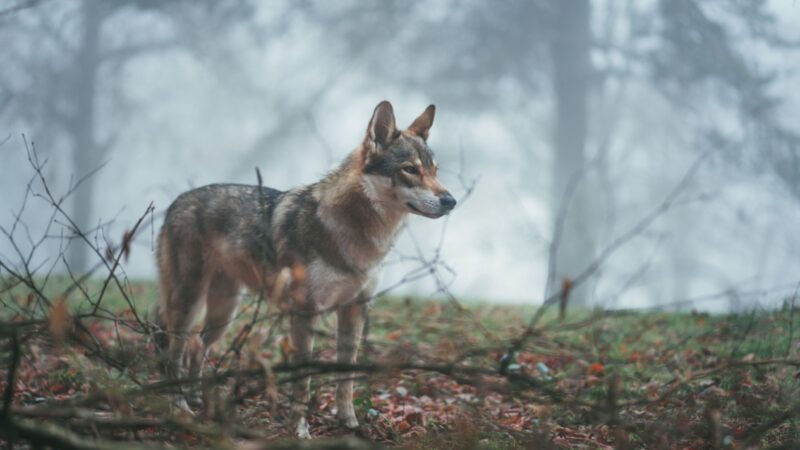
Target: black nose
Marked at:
447, 201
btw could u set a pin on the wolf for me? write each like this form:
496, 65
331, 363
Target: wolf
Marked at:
316, 248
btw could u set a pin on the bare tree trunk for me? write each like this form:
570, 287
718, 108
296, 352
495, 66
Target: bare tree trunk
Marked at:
571, 76
85, 152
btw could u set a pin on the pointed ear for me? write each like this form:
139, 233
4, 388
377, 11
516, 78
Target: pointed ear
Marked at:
382, 128
423, 123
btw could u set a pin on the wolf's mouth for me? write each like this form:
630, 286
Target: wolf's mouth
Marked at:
421, 213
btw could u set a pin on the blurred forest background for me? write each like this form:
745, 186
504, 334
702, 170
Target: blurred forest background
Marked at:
567, 118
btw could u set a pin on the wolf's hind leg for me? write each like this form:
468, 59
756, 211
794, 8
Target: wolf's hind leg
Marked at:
184, 305
221, 301
350, 325
302, 331
179, 316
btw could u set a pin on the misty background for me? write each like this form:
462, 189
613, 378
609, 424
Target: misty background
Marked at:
594, 111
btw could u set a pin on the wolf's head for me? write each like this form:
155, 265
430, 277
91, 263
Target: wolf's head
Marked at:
398, 166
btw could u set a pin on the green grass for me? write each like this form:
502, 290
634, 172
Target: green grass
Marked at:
679, 355
16, 297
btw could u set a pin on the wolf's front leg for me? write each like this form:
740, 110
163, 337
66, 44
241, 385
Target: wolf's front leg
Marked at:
350, 320
302, 331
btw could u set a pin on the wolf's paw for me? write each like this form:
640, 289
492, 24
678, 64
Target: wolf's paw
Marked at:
302, 429
181, 405
194, 401
347, 418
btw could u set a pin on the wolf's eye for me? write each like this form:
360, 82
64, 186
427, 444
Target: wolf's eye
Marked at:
411, 169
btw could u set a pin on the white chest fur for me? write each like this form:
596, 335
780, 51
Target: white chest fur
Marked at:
329, 287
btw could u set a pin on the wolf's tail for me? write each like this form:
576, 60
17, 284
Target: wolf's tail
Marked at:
159, 323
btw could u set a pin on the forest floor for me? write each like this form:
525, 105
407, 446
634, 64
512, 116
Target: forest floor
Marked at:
596, 379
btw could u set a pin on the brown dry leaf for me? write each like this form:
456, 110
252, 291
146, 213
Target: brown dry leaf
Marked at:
394, 335
597, 369
127, 237
286, 346
60, 321
403, 426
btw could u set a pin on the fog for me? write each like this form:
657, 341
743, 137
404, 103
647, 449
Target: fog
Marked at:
667, 127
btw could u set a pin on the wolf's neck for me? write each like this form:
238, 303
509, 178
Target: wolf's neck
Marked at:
363, 225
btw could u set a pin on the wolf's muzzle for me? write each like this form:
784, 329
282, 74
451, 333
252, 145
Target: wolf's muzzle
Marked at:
447, 201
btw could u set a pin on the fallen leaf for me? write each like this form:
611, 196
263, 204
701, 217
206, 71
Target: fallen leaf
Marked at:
286, 346
394, 335
127, 237
59, 321
597, 369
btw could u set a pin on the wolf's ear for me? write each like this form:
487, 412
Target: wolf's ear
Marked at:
423, 123
382, 128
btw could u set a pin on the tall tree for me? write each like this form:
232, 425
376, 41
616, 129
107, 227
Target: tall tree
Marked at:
81, 124
77, 66
569, 50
